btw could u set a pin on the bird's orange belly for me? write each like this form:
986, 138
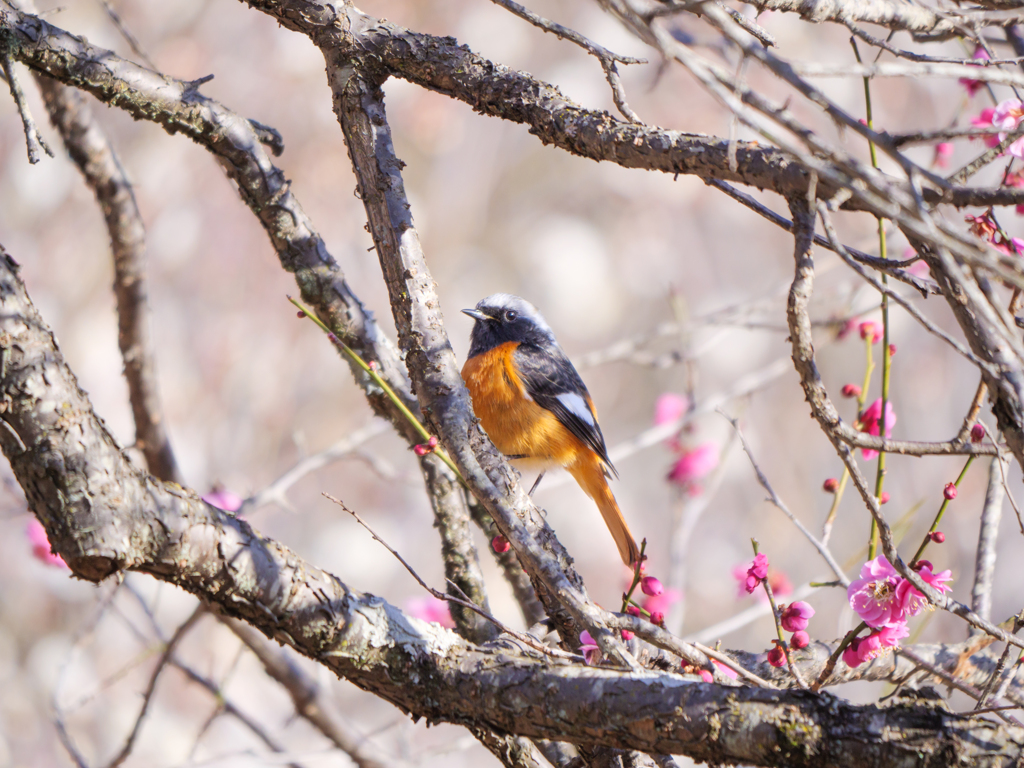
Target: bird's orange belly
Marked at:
515, 423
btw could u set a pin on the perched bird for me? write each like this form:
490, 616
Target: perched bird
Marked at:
534, 406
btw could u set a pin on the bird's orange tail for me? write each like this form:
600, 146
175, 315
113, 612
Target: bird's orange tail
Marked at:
589, 473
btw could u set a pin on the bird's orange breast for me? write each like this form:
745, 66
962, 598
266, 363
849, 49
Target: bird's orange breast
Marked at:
515, 423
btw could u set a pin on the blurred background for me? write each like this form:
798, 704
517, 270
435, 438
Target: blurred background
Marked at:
607, 254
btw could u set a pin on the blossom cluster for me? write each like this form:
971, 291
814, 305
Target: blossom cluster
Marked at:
885, 600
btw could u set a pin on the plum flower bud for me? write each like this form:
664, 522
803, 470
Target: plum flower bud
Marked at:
432, 442
657, 617
756, 573
884, 498
795, 616
851, 390
651, 586
870, 330
831, 485
421, 450
937, 536
800, 639
627, 635
300, 314
892, 350
500, 544
776, 656
977, 433
632, 610
949, 491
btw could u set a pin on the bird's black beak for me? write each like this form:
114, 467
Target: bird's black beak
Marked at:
476, 314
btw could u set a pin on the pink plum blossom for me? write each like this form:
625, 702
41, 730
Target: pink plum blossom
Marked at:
41, 549
669, 408
984, 227
694, 464
869, 423
878, 643
911, 599
973, 86
1007, 115
757, 571
883, 598
591, 653
874, 595
984, 120
430, 609
795, 616
224, 499
943, 153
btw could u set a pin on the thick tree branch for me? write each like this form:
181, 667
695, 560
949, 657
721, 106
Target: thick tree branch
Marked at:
104, 515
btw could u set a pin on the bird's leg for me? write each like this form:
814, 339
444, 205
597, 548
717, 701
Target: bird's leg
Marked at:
536, 483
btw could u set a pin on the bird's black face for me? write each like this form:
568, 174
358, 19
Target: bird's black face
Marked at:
503, 318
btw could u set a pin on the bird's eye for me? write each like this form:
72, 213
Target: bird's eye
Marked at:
511, 315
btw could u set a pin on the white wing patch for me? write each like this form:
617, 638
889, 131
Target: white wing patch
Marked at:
576, 405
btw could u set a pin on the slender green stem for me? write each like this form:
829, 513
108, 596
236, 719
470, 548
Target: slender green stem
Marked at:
380, 382
627, 596
777, 615
886, 354
940, 513
826, 529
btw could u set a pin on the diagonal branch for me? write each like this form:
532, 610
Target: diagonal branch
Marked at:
92, 152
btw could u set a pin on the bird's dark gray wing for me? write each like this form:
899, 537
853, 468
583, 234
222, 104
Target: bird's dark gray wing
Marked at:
553, 383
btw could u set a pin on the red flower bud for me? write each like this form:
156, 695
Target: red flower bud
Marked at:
632, 610
831, 485
432, 442
949, 491
977, 433
884, 498
800, 640
300, 314
627, 635
421, 450
937, 536
777, 657
892, 350
657, 617
851, 390
500, 544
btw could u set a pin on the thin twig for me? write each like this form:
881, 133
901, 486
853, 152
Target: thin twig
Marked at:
523, 638
147, 697
33, 140
775, 500
603, 55
275, 492
826, 221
